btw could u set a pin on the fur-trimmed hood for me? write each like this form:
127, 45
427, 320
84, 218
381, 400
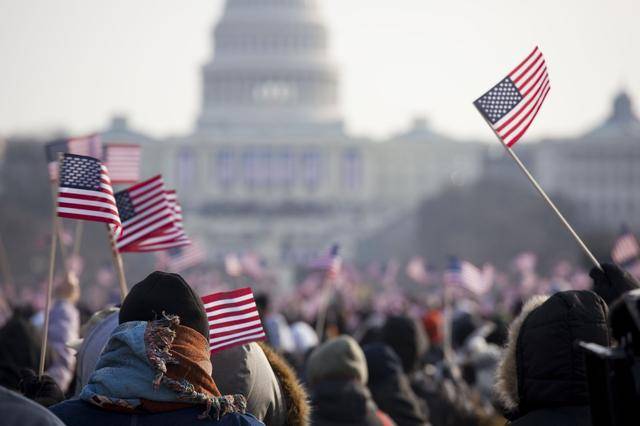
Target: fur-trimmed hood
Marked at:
540, 366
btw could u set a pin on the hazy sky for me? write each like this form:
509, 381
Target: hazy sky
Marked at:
71, 64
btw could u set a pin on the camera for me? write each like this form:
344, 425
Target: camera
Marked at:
613, 374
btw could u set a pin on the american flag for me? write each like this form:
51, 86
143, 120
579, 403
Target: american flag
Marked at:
123, 161
172, 237
465, 274
89, 146
85, 192
417, 271
511, 105
233, 319
182, 258
144, 212
330, 263
625, 249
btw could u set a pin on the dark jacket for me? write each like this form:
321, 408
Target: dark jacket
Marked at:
391, 388
343, 403
76, 412
541, 378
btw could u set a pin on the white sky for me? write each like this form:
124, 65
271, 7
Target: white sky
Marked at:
71, 64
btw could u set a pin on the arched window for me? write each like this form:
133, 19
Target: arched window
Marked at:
186, 167
351, 170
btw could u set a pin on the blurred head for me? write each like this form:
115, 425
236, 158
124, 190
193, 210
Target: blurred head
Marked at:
408, 340
338, 359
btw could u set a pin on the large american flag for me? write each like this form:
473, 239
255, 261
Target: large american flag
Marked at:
625, 249
233, 319
511, 105
89, 146
85, 192
144, 212
330, 263
464, 274
123, 161
172, 237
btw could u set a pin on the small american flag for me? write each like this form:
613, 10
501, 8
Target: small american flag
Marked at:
144, 212
123, 161
330, 263
625, 249
233, 319
511, 105
182, 258
89, 146
85, 192
172, 237
466, 275
417, 271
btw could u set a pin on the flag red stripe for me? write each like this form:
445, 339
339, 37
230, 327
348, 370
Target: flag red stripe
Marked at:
515, 70
519, 135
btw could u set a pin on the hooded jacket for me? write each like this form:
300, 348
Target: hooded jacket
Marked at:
390, 387
337, 376
270, 386
541, 378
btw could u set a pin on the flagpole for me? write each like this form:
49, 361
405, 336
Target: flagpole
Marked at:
324, 307
57, 227
7, 276
52, 260
77, 238
117, 260
546, 198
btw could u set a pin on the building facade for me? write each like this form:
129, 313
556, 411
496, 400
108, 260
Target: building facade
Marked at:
599, 171
268, 166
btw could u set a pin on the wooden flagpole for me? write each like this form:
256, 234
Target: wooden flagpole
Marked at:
58, 230
52, 261
325, 296
7, 276
117, 260
546, 198
77, 238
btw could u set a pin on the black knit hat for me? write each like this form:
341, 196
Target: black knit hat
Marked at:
164, 292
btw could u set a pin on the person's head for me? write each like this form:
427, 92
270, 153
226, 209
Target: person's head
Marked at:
407, 338
163, 292
337, 359
542, 367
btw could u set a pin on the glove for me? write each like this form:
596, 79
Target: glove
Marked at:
612, 282
43, 390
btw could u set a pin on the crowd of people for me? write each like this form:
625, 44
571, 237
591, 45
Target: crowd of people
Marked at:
333, 356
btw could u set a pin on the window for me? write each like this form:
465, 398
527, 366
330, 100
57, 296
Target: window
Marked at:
186, 167
311, 169
351, 170
224, 168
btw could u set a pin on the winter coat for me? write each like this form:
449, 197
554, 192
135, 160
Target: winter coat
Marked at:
77, 412
17, 410
337, 376
262, 376
153, 372
19, 348
64, 327
390, 387
91, 348
541, 378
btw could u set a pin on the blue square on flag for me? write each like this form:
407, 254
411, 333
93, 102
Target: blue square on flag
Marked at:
80, 172
499, 101
125, 206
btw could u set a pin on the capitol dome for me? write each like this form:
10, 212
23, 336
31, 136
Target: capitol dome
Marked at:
271, 71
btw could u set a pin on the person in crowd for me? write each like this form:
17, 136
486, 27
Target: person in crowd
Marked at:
64, 327
276, 326
390, 387
337, 377
16, 410
95, 335
155, 369
273, 392
541, 378
23, 351
611, 282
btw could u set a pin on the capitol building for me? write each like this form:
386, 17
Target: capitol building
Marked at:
269, 168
